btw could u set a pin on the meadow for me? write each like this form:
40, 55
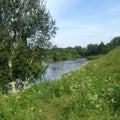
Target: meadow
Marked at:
91, 92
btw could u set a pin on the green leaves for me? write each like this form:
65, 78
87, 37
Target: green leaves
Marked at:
25, 31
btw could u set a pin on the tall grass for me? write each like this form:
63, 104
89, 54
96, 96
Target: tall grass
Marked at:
89, 93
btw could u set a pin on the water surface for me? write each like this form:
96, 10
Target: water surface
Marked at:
57, 69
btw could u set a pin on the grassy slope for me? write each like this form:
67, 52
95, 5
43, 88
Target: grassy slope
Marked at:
89, 93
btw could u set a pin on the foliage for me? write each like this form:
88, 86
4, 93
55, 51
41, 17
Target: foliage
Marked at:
56, 53
91, 92
92, 49
26, 28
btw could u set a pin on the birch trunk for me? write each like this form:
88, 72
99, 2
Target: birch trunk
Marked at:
10, 67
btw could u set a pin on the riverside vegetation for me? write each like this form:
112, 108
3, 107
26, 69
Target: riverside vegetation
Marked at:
89, 93
59, 54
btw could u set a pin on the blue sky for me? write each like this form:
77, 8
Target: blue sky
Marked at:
81, 22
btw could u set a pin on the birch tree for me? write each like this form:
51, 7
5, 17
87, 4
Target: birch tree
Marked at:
26, 28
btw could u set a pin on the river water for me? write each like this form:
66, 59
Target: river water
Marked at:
57, 69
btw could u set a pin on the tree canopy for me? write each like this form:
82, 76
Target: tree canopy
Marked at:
26, 28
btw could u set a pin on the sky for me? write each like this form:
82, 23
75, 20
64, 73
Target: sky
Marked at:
82, 22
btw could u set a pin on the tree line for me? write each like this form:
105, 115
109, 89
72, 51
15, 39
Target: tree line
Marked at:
76, 52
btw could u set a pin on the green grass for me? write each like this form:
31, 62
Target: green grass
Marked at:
89, 93
91, 57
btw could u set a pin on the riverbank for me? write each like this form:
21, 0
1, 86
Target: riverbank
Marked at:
89, 93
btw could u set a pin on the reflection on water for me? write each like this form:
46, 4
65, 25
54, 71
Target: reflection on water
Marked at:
56, 69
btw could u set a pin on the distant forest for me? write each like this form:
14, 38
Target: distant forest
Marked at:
58, 54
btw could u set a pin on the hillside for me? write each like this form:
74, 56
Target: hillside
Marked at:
89, 93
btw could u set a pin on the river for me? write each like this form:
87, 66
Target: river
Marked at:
57, 69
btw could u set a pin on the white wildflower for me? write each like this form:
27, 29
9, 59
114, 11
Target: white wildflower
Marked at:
97, 106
